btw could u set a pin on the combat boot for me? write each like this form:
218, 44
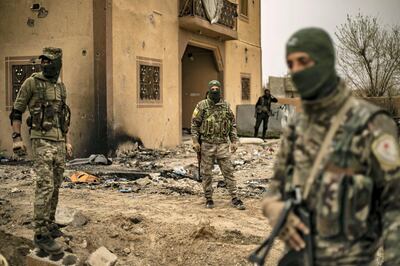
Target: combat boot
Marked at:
54, 230
209, 204
47, 244
238, 204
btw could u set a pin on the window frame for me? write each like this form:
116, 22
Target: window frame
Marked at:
149, 62
242, 16
245, 76
11, 61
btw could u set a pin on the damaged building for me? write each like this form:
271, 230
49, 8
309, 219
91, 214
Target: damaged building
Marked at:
132, 68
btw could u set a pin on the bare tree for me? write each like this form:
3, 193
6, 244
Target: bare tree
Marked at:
369, 56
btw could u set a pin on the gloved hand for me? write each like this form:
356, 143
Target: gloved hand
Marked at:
19, 148
234, 147
68, 149
272, 207
196, 146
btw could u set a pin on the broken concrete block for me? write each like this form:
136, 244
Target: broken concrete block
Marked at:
102, 257
250, 141
33, 260
65, 216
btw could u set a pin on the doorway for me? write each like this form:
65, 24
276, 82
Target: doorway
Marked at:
198, 68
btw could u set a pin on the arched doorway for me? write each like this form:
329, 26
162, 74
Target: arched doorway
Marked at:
198, 68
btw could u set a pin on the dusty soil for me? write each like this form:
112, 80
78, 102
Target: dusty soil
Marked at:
160, 221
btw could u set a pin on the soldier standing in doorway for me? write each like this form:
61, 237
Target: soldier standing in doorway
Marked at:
213, 127
45, 97
263, 112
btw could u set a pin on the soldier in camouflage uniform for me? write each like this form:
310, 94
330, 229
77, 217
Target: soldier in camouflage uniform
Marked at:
354, 199
45, 97
213, 126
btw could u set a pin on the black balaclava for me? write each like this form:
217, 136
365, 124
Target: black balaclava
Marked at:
321, 79
214, 95
53, 69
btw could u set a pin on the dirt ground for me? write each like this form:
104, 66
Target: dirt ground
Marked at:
160, 220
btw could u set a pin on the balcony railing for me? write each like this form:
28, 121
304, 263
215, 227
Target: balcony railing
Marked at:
195, 8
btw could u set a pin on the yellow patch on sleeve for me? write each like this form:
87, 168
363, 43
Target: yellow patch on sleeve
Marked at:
386, 151
195, 112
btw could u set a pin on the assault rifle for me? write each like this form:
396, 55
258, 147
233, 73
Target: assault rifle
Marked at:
304, 257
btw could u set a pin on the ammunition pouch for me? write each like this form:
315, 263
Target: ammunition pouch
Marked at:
36, 117
48, 117
345, 212
65, 118
216, 123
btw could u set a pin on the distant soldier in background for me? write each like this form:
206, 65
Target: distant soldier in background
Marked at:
263, 112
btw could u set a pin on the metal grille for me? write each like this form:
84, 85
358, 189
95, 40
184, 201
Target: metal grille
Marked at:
196, 8
245, 88
19, 73
150, 89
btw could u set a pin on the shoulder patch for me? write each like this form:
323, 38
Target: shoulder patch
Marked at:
386, 151
195, 112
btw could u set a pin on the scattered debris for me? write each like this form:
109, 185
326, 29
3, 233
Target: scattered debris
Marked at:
251, 141
136, 219
204, 230
94, 159
126, 190
82, 177
102, 257
65, 216
16, 190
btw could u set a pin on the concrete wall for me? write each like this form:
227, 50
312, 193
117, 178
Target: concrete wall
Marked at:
69, 26
244, 56
282, 87
249, 29
149, 31
246, 120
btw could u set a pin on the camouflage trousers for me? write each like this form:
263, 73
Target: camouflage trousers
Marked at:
221, 153
49, 165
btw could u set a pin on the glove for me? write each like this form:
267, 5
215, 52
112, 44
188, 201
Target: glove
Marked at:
272, 208
68, 149
196, 146
19, 148
234, 147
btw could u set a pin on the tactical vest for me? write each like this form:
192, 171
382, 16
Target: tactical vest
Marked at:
48, 113
265, 105
341, 197
216, 122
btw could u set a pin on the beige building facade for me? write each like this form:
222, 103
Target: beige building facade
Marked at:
133, 69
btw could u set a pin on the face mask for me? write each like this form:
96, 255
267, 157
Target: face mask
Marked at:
215, 96
53, 69
315, 82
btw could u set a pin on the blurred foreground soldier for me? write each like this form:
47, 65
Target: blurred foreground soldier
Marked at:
343, 155
45, 97
213, 126
263, 112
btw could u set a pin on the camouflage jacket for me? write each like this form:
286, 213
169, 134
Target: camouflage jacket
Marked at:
355, 200
29, 95
214, 123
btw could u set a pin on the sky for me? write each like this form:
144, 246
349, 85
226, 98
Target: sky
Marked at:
281, 18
